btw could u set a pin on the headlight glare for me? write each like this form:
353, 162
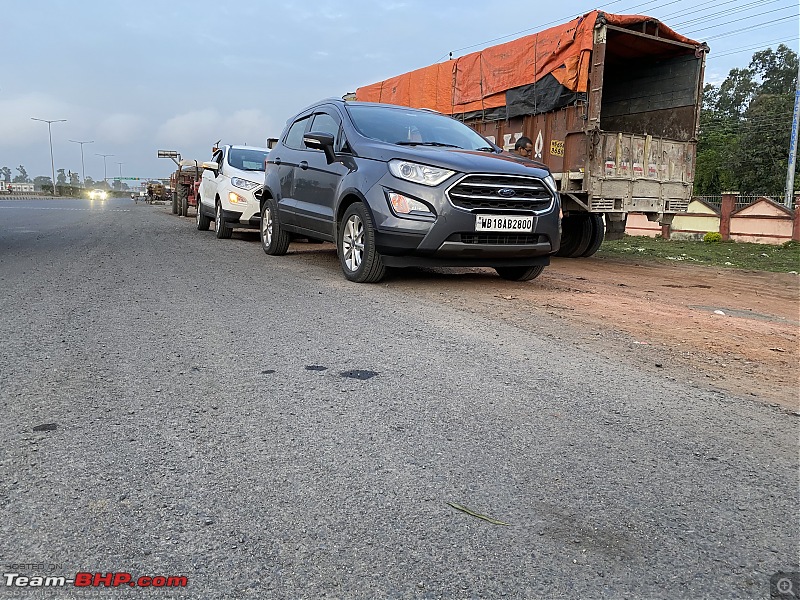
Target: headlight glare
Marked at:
235, 198
418, 173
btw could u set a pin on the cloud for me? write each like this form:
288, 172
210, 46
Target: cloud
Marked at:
16, 126
203, 127
121, 128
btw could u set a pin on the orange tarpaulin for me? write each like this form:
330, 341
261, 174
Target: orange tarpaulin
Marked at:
478, 81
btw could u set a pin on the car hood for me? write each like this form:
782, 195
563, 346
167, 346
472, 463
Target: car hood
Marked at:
463, 161
256, 176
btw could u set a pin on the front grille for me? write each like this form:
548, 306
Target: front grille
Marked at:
500, 192
499, 239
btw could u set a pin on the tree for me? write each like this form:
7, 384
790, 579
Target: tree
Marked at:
776, 70
88, 182
74, 180
6, 173
41, 182
745, 127
23, 175
61, 178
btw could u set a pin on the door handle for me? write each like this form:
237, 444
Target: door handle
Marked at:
277, 161
303, 164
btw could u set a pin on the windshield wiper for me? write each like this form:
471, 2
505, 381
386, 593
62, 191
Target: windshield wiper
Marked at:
485, 149
437, 144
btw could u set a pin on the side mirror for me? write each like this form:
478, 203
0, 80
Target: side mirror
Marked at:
321, 141
211, 166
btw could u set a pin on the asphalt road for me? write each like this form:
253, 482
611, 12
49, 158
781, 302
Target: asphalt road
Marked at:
208, 424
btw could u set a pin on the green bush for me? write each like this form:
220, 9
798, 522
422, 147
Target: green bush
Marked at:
712, 237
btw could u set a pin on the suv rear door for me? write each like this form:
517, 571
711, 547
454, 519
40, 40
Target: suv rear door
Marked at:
316, 181
286, 156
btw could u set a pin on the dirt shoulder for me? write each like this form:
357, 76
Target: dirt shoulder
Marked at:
663, 317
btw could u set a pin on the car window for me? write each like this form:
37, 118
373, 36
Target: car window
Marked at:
247, 159
325, 123
412, 127
294, 138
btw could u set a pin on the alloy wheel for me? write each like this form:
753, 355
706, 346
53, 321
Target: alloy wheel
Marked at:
353, 242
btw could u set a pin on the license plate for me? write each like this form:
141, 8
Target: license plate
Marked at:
503, 223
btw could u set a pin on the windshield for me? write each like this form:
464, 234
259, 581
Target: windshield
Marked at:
410, 127
247, 159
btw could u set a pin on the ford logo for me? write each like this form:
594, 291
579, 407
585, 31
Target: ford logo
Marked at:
506, 192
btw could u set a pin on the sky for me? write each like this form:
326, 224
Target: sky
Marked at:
136, 77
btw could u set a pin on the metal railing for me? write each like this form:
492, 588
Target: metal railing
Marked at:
741, 200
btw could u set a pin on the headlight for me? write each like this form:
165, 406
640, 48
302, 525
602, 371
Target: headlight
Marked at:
243, 183
424, 174
235, 198
551, 183
404, 205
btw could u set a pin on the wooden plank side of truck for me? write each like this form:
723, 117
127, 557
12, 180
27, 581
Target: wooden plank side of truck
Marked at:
610, 102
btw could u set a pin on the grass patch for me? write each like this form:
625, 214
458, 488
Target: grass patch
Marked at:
730, 255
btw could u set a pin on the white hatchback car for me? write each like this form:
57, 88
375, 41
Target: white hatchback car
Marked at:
230, 189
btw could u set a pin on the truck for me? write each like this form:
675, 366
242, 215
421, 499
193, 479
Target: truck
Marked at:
610, 102
185, 184
156, 192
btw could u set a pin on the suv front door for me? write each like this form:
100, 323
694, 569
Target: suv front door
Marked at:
316, 181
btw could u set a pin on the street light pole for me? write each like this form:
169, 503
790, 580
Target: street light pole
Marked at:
105, 176
50, 134
83, 168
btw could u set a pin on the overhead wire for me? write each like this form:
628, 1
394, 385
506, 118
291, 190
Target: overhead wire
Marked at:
693, 9
693, 31
758, 26
731, 11
660, 5
748, 48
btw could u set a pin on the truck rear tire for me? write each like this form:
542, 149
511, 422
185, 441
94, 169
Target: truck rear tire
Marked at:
576, 235
174, 203
598, 234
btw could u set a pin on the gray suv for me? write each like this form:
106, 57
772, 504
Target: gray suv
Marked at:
395, 187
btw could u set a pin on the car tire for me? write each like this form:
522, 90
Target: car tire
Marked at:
274, 240
183, 200
358, 255
174, 203
520, 273
224, 232
203, 221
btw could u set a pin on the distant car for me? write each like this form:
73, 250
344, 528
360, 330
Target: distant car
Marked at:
230, 189
98, 195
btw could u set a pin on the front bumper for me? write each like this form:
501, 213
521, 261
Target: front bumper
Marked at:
450, 238
241, 220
